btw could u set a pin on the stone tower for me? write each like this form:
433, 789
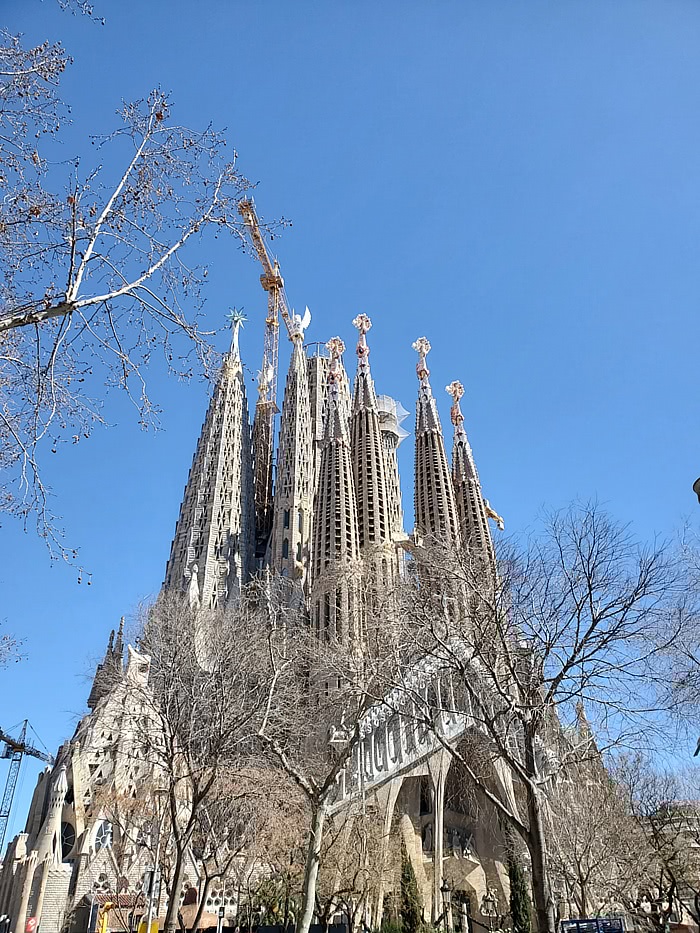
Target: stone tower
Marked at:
375, 516
335, 551
435, 507
317, 365
294, 482
212, 551
391, 416
471, 508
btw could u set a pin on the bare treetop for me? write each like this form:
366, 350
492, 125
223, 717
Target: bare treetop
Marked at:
94, 279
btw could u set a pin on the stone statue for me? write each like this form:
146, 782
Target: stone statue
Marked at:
428, 838
468, 846
193, 591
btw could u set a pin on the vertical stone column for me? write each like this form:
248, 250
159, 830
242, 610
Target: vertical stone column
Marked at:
18, 921
44, 877
386, 798
438, 768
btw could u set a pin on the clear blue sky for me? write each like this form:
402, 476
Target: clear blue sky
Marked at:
519, 181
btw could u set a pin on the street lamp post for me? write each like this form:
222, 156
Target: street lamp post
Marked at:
446, 892
489, 907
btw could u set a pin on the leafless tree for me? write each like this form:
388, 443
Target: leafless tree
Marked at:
94, 280
197, 721
251, 824
666, 807
598, 852
356, 863
683, 669
574, 615
10, 648
319, 691
129, 849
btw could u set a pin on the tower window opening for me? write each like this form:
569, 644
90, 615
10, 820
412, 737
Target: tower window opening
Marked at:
286, 518
285, 548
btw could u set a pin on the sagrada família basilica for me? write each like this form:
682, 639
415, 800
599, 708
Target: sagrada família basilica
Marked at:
336, 495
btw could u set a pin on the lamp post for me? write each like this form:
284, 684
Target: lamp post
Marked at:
155, 877
446, 892
489, 907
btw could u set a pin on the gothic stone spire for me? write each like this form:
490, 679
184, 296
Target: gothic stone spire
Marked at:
435, 508
471, 509
369, 460
335, 548
110, 668
214, 531
291, 522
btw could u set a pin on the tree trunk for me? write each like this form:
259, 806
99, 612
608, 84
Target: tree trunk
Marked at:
313, 859
171, 921
584, 898
536, 844
202, 902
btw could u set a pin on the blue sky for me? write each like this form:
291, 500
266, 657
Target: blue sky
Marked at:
519, 181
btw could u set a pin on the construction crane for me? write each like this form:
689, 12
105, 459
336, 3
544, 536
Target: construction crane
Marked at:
15, 750
266, 405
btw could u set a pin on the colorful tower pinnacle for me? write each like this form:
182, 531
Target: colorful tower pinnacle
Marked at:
435, 508
294, 484
214, 533
335, 551
374, 517
471, 509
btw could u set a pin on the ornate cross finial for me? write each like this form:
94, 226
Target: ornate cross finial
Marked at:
363, 324
422, 348
456, 390
237, 319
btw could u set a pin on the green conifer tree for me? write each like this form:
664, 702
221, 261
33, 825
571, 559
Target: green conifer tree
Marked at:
519, 896
411, 902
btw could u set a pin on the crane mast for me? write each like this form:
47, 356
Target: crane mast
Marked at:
15, 750
266, 404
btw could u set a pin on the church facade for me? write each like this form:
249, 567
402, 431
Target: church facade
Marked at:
336, 502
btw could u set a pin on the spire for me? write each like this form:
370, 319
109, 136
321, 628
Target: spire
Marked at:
214, 530
317, 363
435, 508
335, 548
471, 508
110, 668
374, 516
292, 510
237, 319
391, 416
118, 652
335, 422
